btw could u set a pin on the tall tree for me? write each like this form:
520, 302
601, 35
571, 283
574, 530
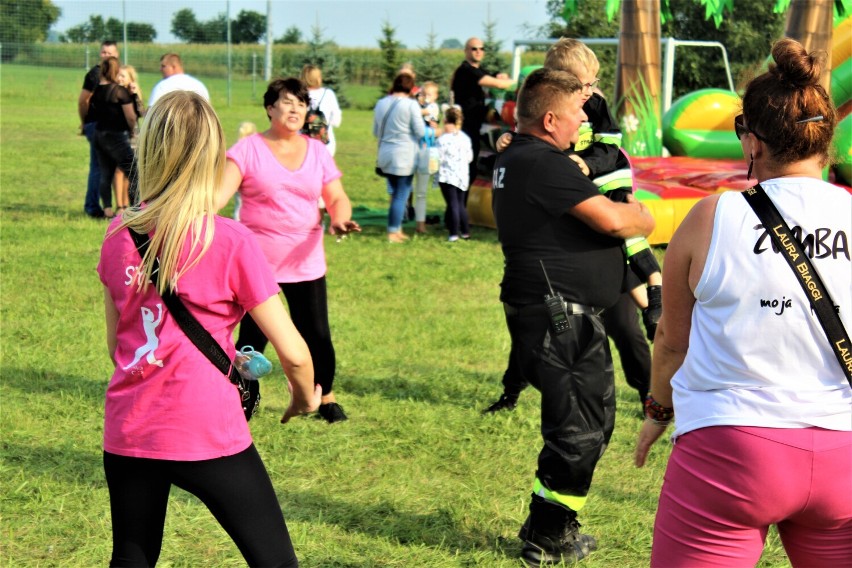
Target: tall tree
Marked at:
186, 27
215, 30
322, 53
24, 22
249, 27
493, 61
390, 48
637, 90
429, 63
811, 23
292, 36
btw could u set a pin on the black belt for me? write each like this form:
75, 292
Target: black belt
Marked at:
571, 307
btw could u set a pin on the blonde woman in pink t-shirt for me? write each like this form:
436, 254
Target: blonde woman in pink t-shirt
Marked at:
171, 417
280, 174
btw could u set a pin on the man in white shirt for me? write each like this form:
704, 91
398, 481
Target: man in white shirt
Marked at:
174, 79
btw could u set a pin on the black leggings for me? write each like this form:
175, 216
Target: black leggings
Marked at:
236, 489
308, 303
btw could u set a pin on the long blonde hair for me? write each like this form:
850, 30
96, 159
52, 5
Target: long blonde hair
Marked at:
181, 159
131, 75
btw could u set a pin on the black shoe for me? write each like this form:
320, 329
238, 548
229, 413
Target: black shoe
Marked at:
332, 412
651, 314
505, 402
99, 214
587, 539
553, 535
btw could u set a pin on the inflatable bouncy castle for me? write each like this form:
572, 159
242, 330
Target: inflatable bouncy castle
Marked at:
705, 155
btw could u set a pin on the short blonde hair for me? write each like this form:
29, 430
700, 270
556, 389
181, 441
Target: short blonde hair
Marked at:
311, 76
181, 159
246, 128
430, 85
573, 56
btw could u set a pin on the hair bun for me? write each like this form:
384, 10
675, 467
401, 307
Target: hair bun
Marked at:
794, 65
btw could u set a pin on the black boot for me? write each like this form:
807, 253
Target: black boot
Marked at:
552, 535
651, 314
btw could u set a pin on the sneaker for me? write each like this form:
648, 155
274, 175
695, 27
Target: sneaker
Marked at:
453, 238
332, 412
505, 402
465, 237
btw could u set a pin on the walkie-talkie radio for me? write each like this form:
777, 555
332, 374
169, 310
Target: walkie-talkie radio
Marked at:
555, 306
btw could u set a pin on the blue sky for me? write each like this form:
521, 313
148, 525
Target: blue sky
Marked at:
350, 23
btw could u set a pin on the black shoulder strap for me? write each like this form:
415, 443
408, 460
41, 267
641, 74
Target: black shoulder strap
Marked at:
805, 273
193, 329
385, 119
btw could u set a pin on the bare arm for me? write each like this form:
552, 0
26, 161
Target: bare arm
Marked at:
339, 208
231, 181
111, 318
83, 105
293, 353
130, 115
685, 257
501, 81
622, 220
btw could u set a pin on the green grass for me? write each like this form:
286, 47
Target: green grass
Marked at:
416, 477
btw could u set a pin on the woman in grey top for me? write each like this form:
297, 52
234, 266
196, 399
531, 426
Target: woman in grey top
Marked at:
398, 125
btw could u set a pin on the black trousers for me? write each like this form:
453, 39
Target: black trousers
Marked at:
622, 325
621, 322
573, 371
308, 303
236, 489
114, 151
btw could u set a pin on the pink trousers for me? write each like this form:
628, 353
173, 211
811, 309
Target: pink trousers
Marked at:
725, 485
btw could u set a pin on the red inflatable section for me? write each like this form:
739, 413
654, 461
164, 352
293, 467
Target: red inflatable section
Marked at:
678, 182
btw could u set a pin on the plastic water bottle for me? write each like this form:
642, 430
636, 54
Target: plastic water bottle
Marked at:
251, 364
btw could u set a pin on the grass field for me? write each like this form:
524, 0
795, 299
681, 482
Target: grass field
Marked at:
416, 477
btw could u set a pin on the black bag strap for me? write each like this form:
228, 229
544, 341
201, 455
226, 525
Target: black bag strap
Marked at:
806, 275
319, 102
193, 329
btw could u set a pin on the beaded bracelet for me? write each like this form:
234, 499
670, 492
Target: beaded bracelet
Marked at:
657, 413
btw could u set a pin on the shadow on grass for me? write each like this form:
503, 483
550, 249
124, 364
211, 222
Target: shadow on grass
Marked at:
36, 381
427, 384
439, 528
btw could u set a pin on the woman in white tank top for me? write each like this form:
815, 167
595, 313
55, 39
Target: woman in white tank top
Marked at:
762, 410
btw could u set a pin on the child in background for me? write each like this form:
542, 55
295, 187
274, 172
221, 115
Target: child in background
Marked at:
127, 79
453, 174
598, 153
244, 129
428, 99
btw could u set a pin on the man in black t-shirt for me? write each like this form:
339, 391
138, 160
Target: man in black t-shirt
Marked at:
91, 205
553, 223
468, 84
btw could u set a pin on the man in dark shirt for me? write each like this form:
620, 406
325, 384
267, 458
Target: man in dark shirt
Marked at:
469, 80
91, 204
561, 238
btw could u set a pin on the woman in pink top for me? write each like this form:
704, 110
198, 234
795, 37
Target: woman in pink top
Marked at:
171, 417
280, 174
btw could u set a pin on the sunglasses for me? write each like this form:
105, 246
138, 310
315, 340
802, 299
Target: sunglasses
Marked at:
477, 49
741, 129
